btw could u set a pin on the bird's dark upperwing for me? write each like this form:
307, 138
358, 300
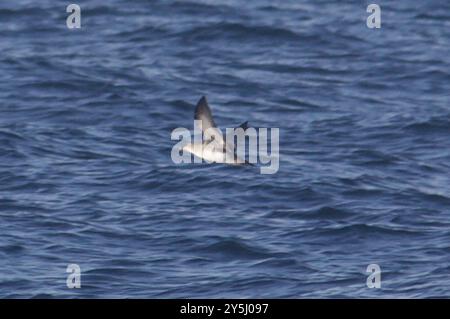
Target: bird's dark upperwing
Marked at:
203, 113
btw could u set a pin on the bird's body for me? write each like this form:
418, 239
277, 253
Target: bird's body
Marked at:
213, 154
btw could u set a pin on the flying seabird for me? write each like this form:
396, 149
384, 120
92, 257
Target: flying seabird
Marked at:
214, 147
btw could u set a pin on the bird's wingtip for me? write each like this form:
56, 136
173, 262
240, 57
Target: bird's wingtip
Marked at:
203, 100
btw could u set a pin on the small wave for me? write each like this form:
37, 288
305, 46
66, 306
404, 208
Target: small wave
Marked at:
12, 249
431, 197
10, 135
190, 7
235, 249
23, 12
364, 230
373, 157
324, 212
239, 31
432, 16
434, 125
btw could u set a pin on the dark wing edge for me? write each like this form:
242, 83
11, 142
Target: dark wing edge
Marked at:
203, 113
244, 125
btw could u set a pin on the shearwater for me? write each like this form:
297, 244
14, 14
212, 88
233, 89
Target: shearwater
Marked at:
214, 147
210, 145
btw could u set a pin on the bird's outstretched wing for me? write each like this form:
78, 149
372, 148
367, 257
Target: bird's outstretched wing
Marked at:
203, 113
209, 128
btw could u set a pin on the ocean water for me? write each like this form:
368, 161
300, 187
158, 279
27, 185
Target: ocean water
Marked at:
86, 175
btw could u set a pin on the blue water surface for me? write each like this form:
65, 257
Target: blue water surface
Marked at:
86, 175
